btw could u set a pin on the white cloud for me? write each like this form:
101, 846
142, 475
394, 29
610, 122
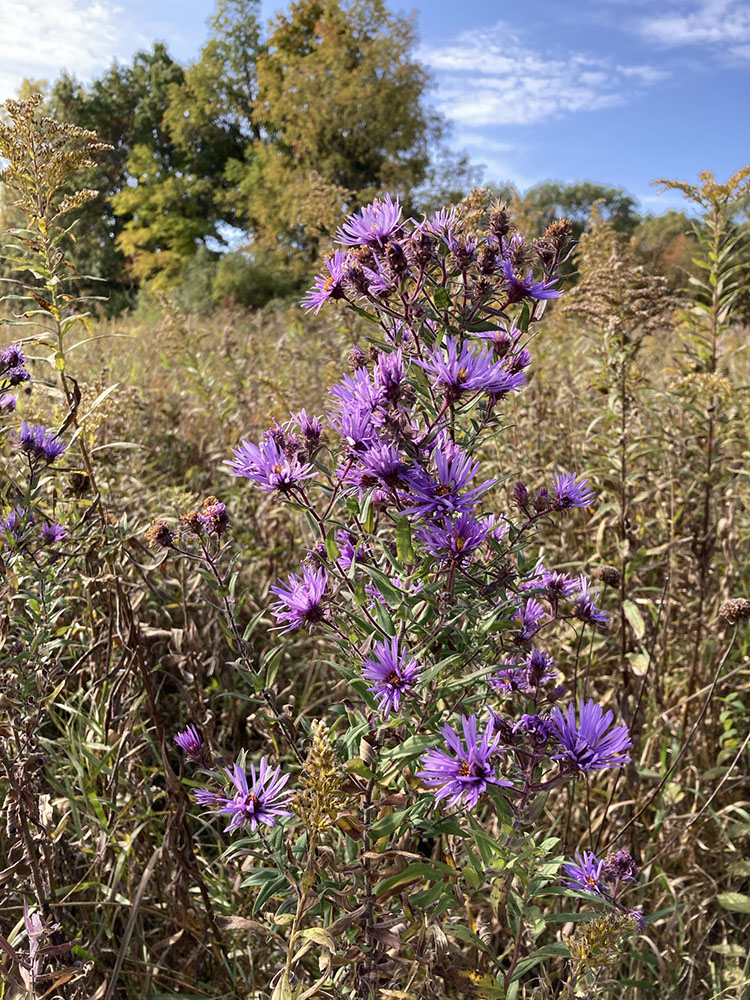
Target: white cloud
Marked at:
493, 77
39, 38
720, 24
495, 156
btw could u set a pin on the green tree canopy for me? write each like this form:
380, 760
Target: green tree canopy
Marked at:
545, 202
340, 105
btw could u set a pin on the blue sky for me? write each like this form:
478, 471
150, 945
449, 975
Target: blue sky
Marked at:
615, 91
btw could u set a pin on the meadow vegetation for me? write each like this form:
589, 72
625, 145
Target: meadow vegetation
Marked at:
146, 590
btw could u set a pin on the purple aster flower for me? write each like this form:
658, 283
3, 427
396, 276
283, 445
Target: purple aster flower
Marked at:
310, 427
380, 465
301, 599
558, 586
39, 443
379, 280
390, 375
394, 673
373, 225
15, 524
261, 801
356, 391
537, 729
501, 340
53, 534
455, 542
588, 743
355, 427
518, 362
467, 370
15, 376
268, 466
191, 744
442, 223
535, 580
530, 617
540, 668
213, 517
12, 356
585, 872
508, 678
619, 867
566, 492
463, 772
463, 248
521, 288
584, 599
327, 286
349, 551
454, 469
8, 402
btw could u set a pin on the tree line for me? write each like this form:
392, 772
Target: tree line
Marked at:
227, 175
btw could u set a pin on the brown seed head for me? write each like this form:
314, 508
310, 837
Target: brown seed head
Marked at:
499, 222
559, 232
160, 534
191, 522
609, 575
736, 610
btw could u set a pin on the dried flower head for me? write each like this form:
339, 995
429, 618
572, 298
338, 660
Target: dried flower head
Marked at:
609, 575
322, 795
596, 943
736, 610
160, 534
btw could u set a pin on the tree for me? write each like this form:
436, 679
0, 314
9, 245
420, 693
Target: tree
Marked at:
340, 107
665, 244
545, 202
125, 107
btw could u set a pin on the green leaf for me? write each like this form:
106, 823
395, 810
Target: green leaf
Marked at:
332, 550
388, 824
635, 618
404, 547
417, 872
442, 298
734, 901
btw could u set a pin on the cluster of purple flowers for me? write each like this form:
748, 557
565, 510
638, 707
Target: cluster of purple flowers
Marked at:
255, 800
39, 444
13, 372
17, 525
407, 514
281, 460
568, 745
388, 255
605, 878
528, 675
